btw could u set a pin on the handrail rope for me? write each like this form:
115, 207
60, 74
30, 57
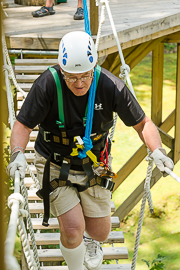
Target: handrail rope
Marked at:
12, 113
145, 194
10, 67
14, 201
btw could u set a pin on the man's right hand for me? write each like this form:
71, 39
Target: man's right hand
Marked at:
17, 162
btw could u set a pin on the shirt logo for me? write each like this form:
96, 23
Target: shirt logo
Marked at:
98, 107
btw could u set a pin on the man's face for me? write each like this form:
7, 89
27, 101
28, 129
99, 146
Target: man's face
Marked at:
79, 83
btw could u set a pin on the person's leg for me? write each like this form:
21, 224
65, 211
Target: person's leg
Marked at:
72, 226
45, 10
98, 228
80, 3
79, 15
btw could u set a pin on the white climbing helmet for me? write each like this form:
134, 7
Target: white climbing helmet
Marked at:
77, 53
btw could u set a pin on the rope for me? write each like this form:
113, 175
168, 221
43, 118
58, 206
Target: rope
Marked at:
21, 226
91, 99
145, 194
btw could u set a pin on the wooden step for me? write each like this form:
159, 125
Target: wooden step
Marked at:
109, 253
32, 195
53, 223
30, 69
25, 86
103, 267
47, 62
28, 181
53, 238
26, 78
38, 208
33, 135
30, 146
30, 157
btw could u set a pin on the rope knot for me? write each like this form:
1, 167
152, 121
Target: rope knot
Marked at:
23, 213
87, 146
123, 70
15, 197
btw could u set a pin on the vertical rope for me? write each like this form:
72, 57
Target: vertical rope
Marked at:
91, 99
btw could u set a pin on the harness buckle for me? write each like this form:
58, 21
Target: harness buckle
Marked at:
56, 156
107, 183
45, 134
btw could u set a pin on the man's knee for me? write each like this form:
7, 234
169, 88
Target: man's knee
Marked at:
72, 235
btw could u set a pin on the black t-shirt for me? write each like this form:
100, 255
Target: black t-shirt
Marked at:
41, 107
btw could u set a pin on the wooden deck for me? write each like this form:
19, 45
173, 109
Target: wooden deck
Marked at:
136, 22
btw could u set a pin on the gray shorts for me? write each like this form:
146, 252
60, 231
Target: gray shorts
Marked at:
95, 201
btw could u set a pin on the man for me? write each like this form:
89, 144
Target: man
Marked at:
80, 187
47, 9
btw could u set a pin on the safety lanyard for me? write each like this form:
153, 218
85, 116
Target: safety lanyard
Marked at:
61, 121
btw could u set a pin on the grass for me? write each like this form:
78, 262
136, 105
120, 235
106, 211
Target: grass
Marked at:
160, 232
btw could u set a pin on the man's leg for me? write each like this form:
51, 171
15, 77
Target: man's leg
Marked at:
97, 230
72, 226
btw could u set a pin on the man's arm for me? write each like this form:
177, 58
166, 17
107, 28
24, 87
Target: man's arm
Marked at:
19, 139
150, 136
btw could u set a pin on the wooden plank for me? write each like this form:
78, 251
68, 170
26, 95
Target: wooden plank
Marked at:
37, 208
33, 135
26, 78
53, 223
166, 138
30, 157
53, 238
32, 195
140, 154
137, 194
103, 267
113, 253
25, 86
30, 69
177, 115
33, 62
173, 38
157, 84
30, 146
28, 181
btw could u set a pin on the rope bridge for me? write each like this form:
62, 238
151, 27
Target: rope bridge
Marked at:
18, 201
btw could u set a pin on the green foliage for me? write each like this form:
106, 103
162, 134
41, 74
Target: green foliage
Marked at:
156, 264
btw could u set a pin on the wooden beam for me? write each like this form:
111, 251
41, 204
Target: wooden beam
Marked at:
157, 84
177, 117
3, 178
166, 138
137, 194
173, 38
94, 22
140, 154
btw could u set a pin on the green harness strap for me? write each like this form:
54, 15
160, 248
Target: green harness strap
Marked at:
60, 95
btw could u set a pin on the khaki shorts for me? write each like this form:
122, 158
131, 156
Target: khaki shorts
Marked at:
95, 201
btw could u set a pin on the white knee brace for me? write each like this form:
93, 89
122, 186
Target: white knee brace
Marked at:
74, 257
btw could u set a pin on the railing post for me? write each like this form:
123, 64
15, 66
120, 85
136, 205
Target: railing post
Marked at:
94, 22
2, 174
177, 112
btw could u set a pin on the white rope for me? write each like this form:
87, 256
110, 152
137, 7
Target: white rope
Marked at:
10, 67
172, 174
146, 192
14, 213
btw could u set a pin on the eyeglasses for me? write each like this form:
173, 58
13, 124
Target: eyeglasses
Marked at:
75, 79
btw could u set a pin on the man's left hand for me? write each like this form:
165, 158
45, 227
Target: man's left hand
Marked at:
162, 160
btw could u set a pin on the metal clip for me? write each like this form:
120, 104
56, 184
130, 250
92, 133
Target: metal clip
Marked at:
45, 133
79, 140
56, 155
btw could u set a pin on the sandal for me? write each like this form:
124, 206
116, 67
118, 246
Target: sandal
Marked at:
43, 11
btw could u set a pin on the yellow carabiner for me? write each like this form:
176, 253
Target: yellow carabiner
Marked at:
93, 158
